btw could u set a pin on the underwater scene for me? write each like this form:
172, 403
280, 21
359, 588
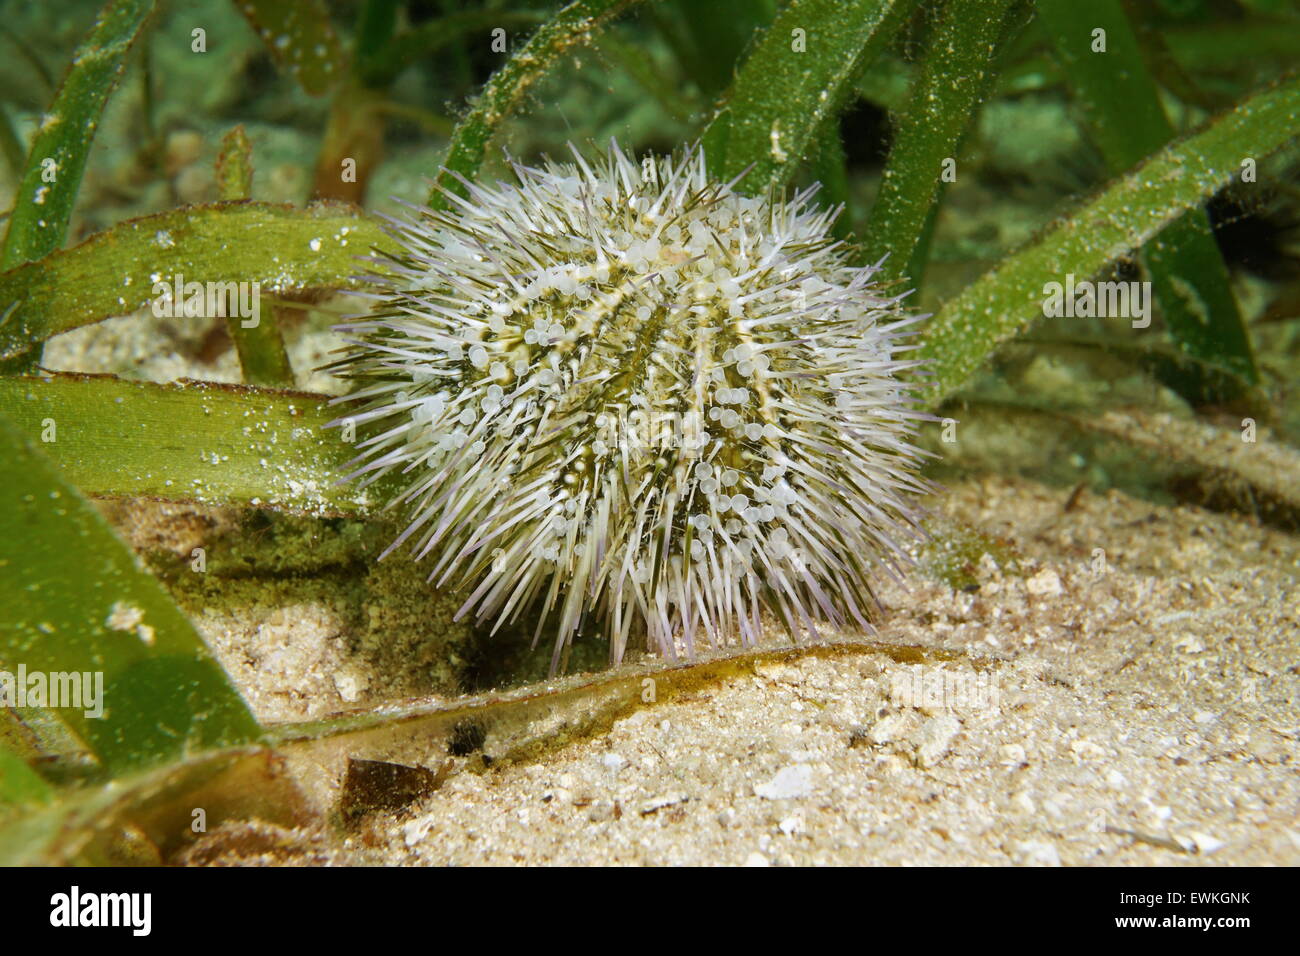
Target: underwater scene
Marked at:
675, 432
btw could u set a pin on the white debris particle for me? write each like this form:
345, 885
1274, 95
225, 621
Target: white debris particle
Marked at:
888, 728
788, 784
1046, 583
1206, 844
934, 739
778, 153
1035, 853
127, 617
613, 762
350, 681
413, 833
659, 803
123, 616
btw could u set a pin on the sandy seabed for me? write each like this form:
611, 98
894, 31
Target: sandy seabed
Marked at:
1129, 706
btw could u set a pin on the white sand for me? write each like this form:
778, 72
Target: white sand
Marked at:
1141, 714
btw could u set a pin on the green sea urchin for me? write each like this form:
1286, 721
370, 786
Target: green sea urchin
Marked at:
626, 395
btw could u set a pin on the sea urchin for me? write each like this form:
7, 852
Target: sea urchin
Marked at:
623, 395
